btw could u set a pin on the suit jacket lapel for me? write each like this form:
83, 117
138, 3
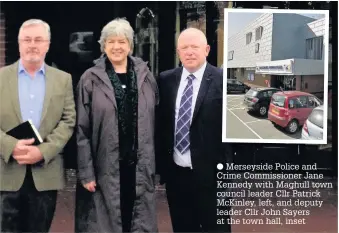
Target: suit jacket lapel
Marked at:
49, 79
13, 86
205, 83
174, 91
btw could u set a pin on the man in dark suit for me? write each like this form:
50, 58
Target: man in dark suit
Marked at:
189, 136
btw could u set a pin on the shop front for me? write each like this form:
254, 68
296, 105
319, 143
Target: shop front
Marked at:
292, 74
277, 74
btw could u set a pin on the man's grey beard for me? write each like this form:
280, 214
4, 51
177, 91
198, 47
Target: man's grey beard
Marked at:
34, 61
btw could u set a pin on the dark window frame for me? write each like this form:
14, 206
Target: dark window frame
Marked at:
230, 55
257, 48
258, 33
249, 37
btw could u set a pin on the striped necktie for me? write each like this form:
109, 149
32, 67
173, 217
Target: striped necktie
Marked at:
182, 139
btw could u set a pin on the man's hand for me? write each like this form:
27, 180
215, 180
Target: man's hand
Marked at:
90, 186
32, 155
19, 148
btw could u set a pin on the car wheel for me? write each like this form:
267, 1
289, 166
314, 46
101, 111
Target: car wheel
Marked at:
292, 126
262, 110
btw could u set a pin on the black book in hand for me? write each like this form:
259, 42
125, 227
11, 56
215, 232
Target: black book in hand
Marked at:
26, 130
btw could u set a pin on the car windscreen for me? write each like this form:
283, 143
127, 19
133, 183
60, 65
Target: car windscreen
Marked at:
278, 100
316, 117
252, 93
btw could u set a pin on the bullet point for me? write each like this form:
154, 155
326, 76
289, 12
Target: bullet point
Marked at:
220, 166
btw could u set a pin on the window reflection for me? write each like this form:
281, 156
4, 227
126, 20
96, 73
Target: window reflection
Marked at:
81, 45
146, 38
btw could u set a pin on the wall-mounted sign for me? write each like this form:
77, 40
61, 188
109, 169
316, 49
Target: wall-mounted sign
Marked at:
275, 68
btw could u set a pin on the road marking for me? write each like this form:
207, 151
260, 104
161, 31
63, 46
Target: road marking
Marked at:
253, 121
235, 103
234, 95
245, 124
234, 100
235, 108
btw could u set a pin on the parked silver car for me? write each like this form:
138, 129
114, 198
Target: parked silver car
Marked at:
313, 126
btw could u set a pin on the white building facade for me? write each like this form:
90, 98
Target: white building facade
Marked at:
279, 50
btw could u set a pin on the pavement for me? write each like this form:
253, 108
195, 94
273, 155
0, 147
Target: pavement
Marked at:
64, 216
241, 124
322, 219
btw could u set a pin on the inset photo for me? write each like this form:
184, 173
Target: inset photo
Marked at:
276, 77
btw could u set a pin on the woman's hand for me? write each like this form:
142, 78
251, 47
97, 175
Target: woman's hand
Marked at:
90, 186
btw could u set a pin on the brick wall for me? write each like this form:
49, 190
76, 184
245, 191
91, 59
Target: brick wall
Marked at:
2, 40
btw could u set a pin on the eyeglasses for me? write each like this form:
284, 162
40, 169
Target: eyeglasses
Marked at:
37, 41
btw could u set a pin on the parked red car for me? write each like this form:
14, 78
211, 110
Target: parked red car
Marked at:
290, 109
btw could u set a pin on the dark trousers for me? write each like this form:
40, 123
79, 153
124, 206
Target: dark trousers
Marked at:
192, 206
127, 193
27, 210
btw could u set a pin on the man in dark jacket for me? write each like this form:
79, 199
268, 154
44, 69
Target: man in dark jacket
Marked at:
189, 136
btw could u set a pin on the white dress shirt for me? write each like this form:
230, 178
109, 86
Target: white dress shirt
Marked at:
184, 160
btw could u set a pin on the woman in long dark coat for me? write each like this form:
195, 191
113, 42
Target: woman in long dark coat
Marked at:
115, 131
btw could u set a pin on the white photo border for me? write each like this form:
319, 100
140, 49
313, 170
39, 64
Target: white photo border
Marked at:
326, 54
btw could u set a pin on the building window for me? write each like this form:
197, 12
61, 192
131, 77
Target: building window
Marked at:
250, 76
230, 55
248, 37
314, 48
258, 33
257, 45
309, 44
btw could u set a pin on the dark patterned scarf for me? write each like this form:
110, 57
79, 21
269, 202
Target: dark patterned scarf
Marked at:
127, 103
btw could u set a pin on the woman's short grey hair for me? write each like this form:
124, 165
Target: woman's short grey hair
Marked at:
31, 22
117, 27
